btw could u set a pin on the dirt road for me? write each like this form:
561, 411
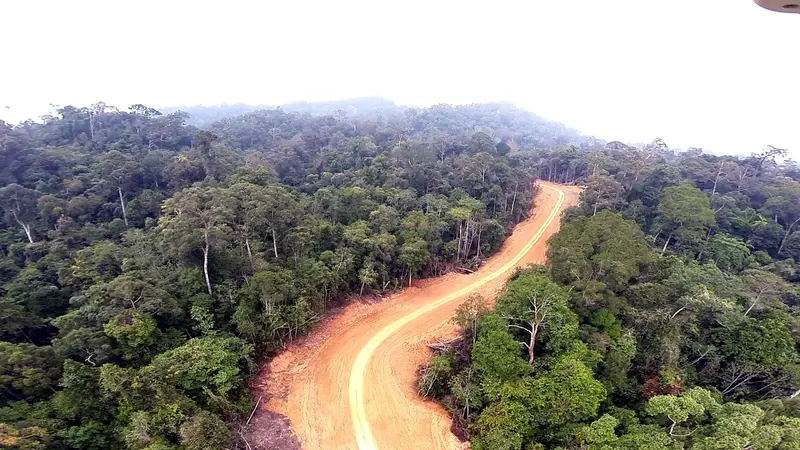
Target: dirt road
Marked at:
350, 384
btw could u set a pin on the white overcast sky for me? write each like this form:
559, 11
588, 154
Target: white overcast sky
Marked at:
719, 74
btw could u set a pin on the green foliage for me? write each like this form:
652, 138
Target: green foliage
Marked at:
436, 375
764, 343
567, 393
134, 332
604, 247
144, 261
26, 371
600, 432
505, 425
618, 362
202, 364
203, 431
534, 303
728, 253
496, 354
686, 213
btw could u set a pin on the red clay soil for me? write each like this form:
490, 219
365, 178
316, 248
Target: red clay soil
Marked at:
350, 384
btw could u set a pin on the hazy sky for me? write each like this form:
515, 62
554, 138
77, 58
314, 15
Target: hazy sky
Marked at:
718, 74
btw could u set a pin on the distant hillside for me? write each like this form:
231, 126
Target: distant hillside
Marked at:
501, 121
203, 116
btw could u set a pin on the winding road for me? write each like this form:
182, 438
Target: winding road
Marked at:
351, 383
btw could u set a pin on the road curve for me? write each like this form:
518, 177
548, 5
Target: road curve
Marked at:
350, 384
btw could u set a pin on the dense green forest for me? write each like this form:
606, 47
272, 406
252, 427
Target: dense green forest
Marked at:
666, 318
146, 264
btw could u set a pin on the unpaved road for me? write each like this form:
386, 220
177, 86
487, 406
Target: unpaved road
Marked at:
351, 383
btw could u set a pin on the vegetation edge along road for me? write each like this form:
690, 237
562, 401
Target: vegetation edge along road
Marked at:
358, 413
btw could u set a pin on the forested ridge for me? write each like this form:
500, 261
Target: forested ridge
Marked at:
146, 264
665, 318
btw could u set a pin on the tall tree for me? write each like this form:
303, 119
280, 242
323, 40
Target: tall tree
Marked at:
118, 169
604, 248
197, 218
604, 193
686, 213
783, 206
529, 303
20, 205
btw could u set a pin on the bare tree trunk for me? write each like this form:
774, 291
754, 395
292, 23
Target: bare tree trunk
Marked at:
25, 227
514, 201
274, 243
466, 403
247, 244
532, 342
786, 235
678, 311
752, 305
741, 180
663, 250
466, 239
205, 266
719, 172
122, 203
458, 247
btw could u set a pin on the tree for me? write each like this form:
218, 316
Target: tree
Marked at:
504, 425
203, 431
278, 213
728, 253
480, 142
603, 192
496, 354
783, 206
250, 200
367, 276
204, 367
678, 409
529, 303
618, 362
26, 371
414, 255
761, 356
135, 332
567, 393
468, 314
197, 218
686, 212
765, 288
118, 170
604, 248
20, 205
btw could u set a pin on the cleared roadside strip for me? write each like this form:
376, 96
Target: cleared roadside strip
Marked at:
358, 411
